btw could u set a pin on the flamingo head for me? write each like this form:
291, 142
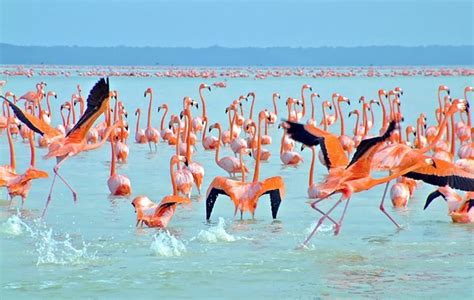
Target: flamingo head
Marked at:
204, 86
148, 91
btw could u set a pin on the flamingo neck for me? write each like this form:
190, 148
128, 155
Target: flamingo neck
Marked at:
311, 169
438, 135
338, 108
312, 107
259, 146
325, 124
173, 179
275, 106
149, 110
203, 101
468, 112
188, 137
10, 144
364, 119
162, 125
453, 137
138, 121
251, 107
112, 163
242, 166
219, 130
73, 111
384, 112
32, 149
336, 113
62, 117
303, 111
356, 130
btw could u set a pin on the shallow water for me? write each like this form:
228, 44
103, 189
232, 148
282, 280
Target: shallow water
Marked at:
92, 249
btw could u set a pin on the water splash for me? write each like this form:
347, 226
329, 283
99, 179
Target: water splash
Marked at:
50, 247
14, 226
323, 229
54, 250
165, 244
215, 234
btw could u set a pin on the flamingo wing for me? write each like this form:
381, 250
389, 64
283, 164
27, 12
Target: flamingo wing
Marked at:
331, 147
433, 196
275, 201
33, 122
97, 96
211, 200
444, 173
368, 144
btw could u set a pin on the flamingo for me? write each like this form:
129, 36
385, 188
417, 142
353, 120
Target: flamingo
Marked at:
313, 191
460, 210
151, 133
289, 158
347, 143
274, 114
74, 142
264, 153
119, 185
140, 137
301, 115
400, 194
20, 185
229, 164
46, 116
195, 168
159, 215
245, 195
198, 121
184, 177
312, 120
165, 133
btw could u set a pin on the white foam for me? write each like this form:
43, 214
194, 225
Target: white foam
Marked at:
323, 229
216, 233
13, 226
165, 244
50, 248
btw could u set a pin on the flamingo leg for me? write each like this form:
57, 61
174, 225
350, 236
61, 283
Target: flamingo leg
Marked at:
339, 224
382, 208
313, 206
320, 222
56, 174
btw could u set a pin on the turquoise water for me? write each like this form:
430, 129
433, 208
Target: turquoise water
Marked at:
93, 250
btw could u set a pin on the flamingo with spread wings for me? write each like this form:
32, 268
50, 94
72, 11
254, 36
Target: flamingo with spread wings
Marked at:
63, 147
245, 195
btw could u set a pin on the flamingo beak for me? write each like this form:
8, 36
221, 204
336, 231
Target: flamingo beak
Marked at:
159, 108
302, 147
449, 92
311, 89
181, 115
209, 88
227, 110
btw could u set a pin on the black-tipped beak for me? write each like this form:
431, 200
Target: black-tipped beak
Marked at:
424, 126
209, 88
56, 96
250, 154
449, 92
349, 102
159, 108
401, 93
197, 105
302, 147
186, 162
181, 114
227, 110
414, 133
311, 89
144, 94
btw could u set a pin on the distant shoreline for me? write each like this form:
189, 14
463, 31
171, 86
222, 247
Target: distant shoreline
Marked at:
238, 57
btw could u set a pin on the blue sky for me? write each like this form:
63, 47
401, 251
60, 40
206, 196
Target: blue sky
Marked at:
259, 23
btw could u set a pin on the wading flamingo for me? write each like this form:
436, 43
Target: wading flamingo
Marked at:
460, 210
245, 195
159, 215
151, 133
119, 185
140, 137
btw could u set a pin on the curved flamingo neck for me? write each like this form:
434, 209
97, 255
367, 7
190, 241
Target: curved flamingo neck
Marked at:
338, 108
336, 113
453, 137
438, 135
364, 119
468, 112
356, 131
281, 144
138, 121
251, 107
48, 103
242, 166
203, 135
231, 129
303, 111
439, 100
162, 125
62, 117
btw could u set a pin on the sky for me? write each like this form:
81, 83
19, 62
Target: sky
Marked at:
233, 23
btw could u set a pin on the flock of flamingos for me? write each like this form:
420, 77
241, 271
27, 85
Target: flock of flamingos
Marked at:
417, 153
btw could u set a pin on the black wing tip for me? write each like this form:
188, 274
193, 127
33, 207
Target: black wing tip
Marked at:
431, 197
275, 201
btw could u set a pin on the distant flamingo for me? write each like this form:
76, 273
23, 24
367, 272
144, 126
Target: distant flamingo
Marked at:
140, 137
165, 133
198, 122
229, 164
159, 215
151, 133
289, 158
274, 114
